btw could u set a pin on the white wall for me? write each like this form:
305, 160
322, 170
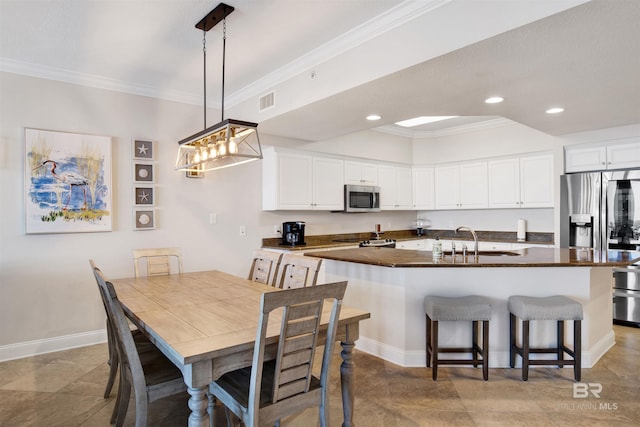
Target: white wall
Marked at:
47, 291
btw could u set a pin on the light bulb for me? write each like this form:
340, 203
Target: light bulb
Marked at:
205, 153
222, 149
233, 147
196, 157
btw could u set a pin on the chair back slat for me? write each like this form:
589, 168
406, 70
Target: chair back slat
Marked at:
264, 266
298, 271
157, 261
298, 336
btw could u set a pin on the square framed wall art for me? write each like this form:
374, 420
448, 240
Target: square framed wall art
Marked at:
143, 172
142, 150
143, 196
144, 219
67, 182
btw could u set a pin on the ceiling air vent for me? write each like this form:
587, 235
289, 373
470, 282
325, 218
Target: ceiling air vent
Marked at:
267, 101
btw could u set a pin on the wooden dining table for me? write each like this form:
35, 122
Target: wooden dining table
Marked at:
205, 323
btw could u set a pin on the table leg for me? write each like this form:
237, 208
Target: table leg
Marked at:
348, 382
198, 403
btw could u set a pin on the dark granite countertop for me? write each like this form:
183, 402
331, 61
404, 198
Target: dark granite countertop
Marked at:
531, 257
352, 239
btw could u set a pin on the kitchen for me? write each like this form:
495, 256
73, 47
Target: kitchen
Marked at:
68, 313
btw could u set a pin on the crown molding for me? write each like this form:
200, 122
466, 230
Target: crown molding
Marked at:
395, 17
67, 76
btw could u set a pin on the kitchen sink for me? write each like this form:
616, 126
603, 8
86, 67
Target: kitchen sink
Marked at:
486, 253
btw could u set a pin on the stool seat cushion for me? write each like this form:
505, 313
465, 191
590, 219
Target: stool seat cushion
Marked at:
470, 307
557, 307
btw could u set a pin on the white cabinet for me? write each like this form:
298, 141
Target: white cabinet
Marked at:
395, 187
296, 181
423, 187
461, 186
525, 182
612, 155
360, 173
412, 244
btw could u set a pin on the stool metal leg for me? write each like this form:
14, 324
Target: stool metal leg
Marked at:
474, 341
512, 346
434, 349
428, 337
560, 344
485, 350
577, 348
525, 350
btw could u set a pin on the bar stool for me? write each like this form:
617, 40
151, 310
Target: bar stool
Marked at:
473, 308
559, 308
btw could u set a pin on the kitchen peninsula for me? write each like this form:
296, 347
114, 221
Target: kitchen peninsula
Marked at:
391, 284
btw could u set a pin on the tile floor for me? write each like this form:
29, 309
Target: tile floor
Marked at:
65, 389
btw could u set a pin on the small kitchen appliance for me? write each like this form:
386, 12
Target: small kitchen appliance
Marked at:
361, 198
293, 233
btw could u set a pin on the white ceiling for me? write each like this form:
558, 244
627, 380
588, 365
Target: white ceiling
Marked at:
330, 63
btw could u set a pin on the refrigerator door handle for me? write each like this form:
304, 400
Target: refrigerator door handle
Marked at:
626, 295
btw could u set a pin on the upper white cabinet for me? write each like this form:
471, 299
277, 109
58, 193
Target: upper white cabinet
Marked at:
461, 186
423, 188
360, 173
395, 187
525, 182
295, 181
613, 155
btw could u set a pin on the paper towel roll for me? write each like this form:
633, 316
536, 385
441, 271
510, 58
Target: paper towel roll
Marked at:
521, 235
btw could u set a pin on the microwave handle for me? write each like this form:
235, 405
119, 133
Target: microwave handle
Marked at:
375, 199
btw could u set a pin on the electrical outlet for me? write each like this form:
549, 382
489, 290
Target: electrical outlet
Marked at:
276, 229
213, 218
243, 230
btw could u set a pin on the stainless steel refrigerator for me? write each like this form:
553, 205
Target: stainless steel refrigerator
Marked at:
601, 210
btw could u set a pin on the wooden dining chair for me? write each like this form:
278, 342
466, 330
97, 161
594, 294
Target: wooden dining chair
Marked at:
142, 367
264, 266
265, 392
157, 260
298, 271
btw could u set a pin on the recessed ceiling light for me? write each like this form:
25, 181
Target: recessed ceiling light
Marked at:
416, 121
373, 117
555, 110
494, 100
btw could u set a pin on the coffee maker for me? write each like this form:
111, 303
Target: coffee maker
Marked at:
293, 233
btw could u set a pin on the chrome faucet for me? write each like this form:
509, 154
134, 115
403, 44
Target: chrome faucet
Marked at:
475, 238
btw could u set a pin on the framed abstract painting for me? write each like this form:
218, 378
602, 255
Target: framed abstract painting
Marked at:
67, 182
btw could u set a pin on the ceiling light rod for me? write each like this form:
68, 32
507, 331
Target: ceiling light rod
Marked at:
228, 143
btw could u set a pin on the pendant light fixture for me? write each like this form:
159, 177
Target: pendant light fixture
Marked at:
228, 143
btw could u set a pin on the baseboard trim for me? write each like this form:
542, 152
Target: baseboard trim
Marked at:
49, 345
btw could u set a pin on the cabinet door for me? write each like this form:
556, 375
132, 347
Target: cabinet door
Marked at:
386, 182
294, 181
536, 181
358, 173
504, 183
585, 159
473, 186
370, 174
623, 156
403, 188
447, 187
423, 188
328, 184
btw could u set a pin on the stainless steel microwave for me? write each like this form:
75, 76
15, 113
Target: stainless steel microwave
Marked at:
361, 198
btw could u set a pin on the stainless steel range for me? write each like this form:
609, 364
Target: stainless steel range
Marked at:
380, 243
